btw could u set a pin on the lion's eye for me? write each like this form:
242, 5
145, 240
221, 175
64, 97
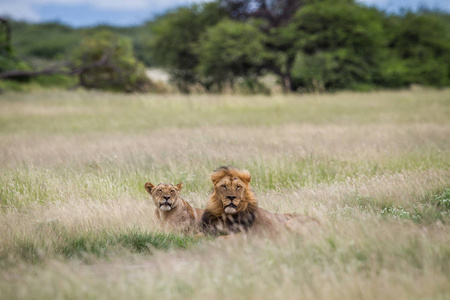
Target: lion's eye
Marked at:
238, 187
172, 191
160, 191
224, 187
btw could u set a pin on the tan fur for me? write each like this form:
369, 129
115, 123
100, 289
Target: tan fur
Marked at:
232, 187
174, 213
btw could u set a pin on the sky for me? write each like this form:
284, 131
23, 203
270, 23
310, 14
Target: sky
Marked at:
79, 13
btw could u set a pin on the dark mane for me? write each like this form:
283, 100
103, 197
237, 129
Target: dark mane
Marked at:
214, 218
226, 224
227, 168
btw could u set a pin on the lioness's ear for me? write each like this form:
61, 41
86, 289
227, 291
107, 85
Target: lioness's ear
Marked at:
179, 186
245, 176
149, 186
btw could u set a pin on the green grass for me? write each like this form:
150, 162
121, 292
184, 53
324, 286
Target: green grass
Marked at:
63, 242
133, 241
70, 113
105, 180
77, 223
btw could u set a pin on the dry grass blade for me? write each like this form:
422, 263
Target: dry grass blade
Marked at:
76, 222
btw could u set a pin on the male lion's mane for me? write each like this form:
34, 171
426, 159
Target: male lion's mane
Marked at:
215, 220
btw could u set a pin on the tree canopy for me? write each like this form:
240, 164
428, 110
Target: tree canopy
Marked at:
309, 45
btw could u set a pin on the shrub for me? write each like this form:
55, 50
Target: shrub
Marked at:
119, 70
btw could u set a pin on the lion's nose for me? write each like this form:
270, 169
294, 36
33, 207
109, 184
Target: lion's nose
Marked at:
166, 197
231, 197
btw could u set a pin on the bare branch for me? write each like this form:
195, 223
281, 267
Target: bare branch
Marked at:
59, 69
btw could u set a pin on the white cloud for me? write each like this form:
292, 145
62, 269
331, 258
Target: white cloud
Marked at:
18, 10
395, 5
99, 4
27, 9
375, 2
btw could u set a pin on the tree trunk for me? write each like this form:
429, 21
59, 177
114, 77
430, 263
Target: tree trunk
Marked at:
7, 42
286, 82
287, 78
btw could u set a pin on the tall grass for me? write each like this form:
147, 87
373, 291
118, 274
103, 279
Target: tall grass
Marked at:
76, 222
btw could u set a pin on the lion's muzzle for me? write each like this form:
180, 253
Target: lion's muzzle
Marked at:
230, 208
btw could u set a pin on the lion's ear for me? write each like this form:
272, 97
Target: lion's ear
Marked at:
245, 176
179, 186
149, 186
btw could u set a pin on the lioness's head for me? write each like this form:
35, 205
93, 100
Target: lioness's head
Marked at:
232, 191
165, 195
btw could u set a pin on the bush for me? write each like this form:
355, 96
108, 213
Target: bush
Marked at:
120, 70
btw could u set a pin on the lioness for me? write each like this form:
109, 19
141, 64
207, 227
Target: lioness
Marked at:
173, 212
233, 207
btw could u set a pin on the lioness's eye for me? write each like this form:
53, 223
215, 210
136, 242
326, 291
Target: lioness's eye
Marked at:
238, 187
160, 190
172, 191
224, 186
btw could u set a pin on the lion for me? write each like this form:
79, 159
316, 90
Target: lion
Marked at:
233, 208
174, 213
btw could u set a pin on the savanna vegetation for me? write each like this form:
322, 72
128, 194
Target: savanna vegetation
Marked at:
233, 45
76, 221
373, 168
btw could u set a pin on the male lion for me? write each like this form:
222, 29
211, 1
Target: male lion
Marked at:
173, 212
233, 207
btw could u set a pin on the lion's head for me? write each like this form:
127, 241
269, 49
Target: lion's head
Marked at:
232, 192
165, 195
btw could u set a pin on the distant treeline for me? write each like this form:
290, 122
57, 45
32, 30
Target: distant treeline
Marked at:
309, 45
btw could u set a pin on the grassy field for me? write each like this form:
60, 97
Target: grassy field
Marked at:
76, 222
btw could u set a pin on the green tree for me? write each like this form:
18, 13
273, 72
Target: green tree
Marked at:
8, 60
112, 64
50, 41
274, 19
229, 50
175, 38
419, 50
340, 45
